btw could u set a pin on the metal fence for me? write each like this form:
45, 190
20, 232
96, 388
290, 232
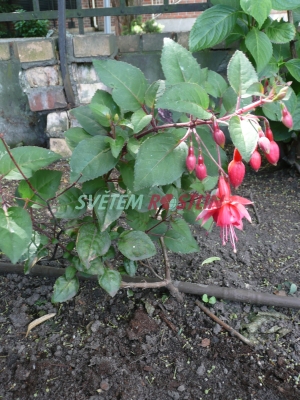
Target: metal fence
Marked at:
123, 9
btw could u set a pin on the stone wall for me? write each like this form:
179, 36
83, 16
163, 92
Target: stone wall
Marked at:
33, 105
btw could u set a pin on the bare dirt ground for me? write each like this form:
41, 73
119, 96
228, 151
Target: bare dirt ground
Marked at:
144, 345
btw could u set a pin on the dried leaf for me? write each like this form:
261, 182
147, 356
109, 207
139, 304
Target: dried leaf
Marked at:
280, 293
205, 342
38, 321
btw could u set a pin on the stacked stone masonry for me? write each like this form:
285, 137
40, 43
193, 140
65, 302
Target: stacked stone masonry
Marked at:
41, 80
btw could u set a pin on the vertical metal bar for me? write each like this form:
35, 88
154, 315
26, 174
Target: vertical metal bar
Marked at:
80, 20
107, 20
62, 52
36, 5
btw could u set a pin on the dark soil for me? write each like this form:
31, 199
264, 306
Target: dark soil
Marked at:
143, 344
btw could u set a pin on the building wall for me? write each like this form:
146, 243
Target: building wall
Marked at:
33, 104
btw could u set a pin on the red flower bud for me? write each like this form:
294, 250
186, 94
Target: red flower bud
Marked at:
191, 160
286, 118
274, 154
223, 191
264, 144
255, 160
269, 133
236, 172
236, 155
218, 135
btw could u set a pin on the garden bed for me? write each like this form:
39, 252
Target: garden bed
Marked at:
142, 344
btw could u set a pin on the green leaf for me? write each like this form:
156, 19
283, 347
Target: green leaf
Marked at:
155, 229
15, 232
46, 184
70, 204
91, 187
293, 288
178, 64
109, 207
271, 69
179, 239
229, 99
137, 220
74, 136
151, 93
205, 298
88, 121
244, 136
136, 245
140, 120
285, 4
91, 243
105, 98
116, 145
296, 14
210, 260
212, 300
35, 251
185, 97
241, 73
91, 158
281, 32
293, 67
101, 113
280, 132
258, 9
296, 115
29, 160
215, 84
96, 266
212, 26
70, 272
2, 150
133, 146
260, 47
110, 281
160, 161
128, 83
130, 266
64, 289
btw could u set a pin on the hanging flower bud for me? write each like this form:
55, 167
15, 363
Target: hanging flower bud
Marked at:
219, 137
236, 172
286, 118
264, 144
274, 154
255, 160
191, 159
200, 169
269, 133
223, 191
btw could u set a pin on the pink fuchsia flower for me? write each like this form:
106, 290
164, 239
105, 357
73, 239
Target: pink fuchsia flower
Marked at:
227, 212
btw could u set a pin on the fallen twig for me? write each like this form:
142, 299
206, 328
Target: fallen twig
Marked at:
223, 324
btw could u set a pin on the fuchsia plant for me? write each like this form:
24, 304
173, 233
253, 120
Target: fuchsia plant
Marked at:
141, 144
